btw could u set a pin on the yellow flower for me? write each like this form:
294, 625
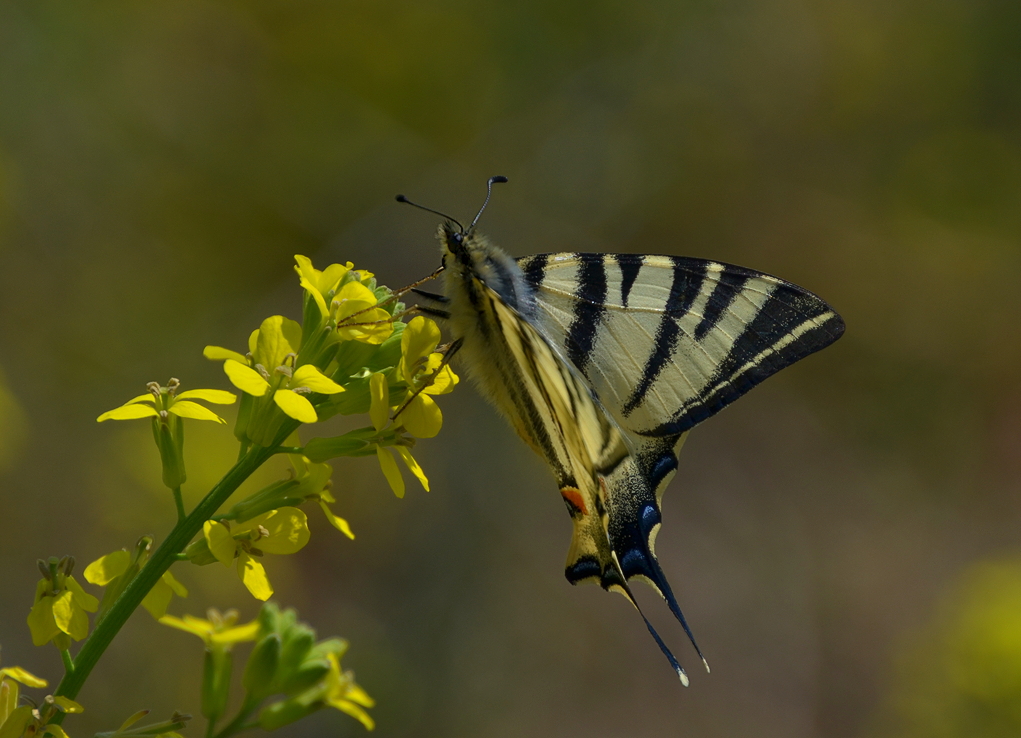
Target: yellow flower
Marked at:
31, 720
166, 410
379, 413
117, 569
10, 691
346, 696
59, 610
335, 688
166, 400
357, 317
219, 632
314, 483
345, 299
282, 531
425, 374
271, 371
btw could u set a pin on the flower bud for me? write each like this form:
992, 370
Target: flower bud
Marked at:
168, 431
198, 552
311, 672
297, 643
261, 669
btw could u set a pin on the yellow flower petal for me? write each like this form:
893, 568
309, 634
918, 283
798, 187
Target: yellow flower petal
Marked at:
221, 543
316, 295
158, 599
217, 353
336, 521
354, 711
188, 409
16, 723
417, 342
413, 466
41, 622
147, 397
195, 626
278, 337
253, 341
379, 395
237, 634
330, 276
82, 598
352, 298
20, 675
304, 266
422, 417
70, 619
390, 471
287, 527
309, 376
179, 589
253, 574
105, 569
217, 397
295, 406
129, 412
245, 378
442, 380
68, 705
359, 696
55, 730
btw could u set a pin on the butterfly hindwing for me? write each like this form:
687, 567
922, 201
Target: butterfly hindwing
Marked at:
668, 341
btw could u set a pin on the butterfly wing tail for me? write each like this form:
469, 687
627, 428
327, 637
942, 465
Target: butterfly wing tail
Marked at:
591, 559
636, 488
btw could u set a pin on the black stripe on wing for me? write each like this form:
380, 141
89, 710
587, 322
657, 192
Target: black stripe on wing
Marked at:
630, 265
686, 287
534, 268
726, 290
588, 312
780, 334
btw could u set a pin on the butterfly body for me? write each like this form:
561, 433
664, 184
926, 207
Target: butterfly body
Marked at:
603, 362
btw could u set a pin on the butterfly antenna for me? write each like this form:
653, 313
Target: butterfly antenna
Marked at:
499, 179
402, 198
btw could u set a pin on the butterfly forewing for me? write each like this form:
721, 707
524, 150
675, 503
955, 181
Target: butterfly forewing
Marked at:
666, 341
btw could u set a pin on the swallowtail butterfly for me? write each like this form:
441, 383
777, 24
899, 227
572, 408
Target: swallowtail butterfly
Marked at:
604, 362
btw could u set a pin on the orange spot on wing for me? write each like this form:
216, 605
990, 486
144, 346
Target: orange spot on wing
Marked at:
573, 496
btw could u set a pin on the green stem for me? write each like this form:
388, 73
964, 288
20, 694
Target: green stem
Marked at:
65, 655
179, 501
98, 641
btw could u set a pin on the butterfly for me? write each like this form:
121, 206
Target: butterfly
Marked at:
602, 363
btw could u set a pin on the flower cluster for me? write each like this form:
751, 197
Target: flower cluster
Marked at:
351, 354
286, 661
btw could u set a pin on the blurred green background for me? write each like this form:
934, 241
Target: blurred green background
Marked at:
844, 541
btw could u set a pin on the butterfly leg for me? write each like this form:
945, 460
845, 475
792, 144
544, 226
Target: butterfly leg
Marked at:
448, 354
